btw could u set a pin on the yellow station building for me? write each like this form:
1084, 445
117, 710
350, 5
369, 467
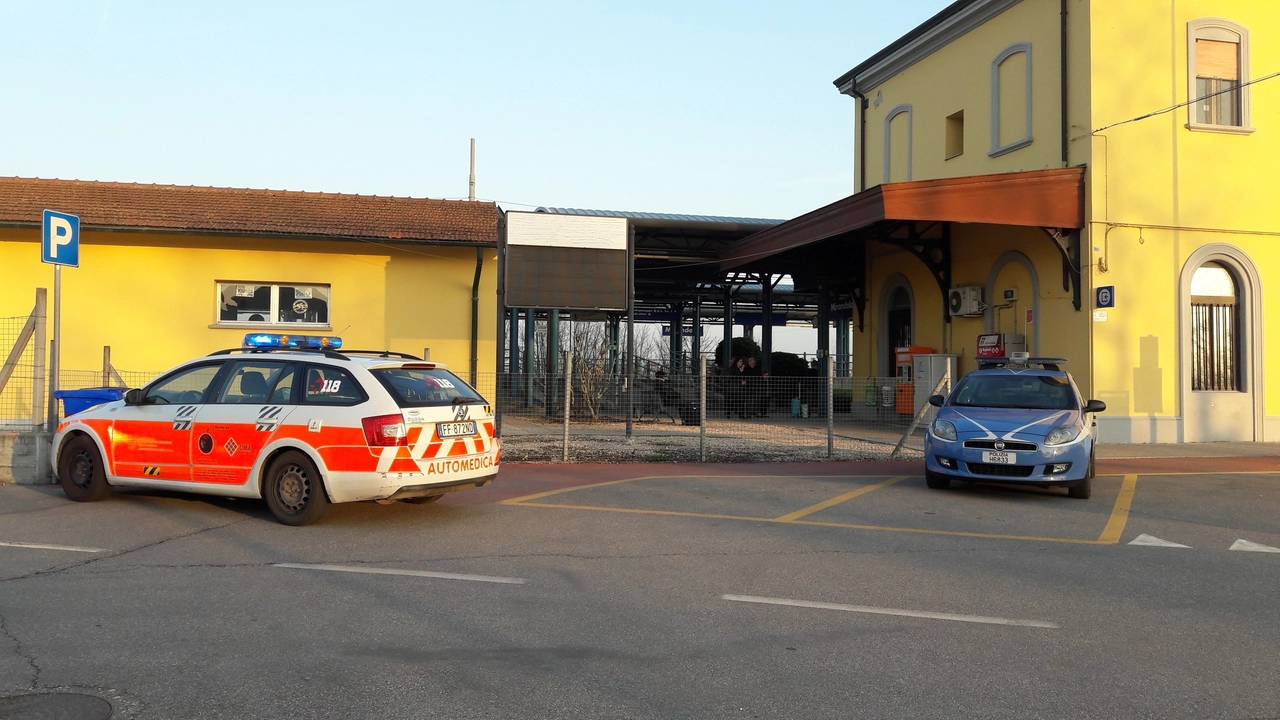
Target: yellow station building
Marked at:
1093, 175
168, 273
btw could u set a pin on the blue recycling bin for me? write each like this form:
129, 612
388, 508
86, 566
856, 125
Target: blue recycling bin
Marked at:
74, 401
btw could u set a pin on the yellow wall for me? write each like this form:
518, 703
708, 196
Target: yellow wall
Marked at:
151, 296
1154, 182
958, 77
976, 249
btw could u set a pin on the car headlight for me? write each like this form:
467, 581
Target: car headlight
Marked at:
943, 430
1061, 435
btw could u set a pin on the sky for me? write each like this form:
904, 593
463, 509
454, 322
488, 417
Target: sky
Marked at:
717, 108
699, 107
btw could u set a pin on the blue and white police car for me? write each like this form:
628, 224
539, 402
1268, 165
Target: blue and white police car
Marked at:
1013, 420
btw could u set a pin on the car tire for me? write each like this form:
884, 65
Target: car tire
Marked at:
1081, 490
936, 481
81, 472
421, 500
293, 489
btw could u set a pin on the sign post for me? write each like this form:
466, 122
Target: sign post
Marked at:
59, 245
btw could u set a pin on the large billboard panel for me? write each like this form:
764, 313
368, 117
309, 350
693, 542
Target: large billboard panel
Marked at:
566, 262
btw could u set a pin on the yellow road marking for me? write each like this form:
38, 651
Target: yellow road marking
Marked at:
678, 513
548, 493
952, 533
639, 511
792, 517
1120, 513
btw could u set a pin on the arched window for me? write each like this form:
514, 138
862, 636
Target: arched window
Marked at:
1217, 69
1215, 330
1011, 99
897, 144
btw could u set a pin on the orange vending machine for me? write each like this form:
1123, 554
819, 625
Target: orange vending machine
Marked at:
904, 396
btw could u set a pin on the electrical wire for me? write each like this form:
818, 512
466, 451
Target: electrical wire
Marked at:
1189, 102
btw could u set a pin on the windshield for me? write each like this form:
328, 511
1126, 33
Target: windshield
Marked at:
1039, 392
426, 387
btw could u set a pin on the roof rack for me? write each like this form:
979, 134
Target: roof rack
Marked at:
382, 353
1048, 363
314, 351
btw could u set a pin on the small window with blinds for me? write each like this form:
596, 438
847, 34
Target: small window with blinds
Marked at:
1218, 58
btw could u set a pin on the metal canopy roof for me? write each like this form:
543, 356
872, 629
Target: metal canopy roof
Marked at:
677, 260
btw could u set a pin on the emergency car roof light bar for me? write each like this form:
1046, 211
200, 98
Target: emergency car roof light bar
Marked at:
279, 340
1021, 360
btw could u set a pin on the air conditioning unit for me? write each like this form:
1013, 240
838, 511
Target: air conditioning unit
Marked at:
964, 301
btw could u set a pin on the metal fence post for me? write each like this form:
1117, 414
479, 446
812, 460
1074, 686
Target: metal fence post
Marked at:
568, 398
38, 383
831, 406
702, 408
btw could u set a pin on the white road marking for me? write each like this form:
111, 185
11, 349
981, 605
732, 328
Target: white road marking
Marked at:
39, 546
1153, 541
891, 611
413, 573
1247, 546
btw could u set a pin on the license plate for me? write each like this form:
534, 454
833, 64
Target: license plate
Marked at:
456, 429
999, 458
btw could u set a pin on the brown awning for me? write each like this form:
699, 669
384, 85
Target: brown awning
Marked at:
1039, 198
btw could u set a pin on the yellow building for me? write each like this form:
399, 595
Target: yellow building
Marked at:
1090, 175
168, 273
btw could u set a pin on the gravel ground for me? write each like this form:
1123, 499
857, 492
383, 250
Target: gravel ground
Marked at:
726, 442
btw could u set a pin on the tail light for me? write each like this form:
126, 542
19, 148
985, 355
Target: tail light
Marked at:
385, 431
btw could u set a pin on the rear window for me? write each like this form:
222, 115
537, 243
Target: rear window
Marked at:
425, 387
1040, 392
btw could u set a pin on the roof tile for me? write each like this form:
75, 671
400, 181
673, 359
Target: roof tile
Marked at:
235, 210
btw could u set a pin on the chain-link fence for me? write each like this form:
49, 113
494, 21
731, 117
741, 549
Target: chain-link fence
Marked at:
722, 417
21, 396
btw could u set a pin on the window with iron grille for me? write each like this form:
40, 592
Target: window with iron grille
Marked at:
1215, 323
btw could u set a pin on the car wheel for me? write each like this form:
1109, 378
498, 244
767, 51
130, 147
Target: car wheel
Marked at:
421, 500
1083, 489
80, 470
936, 481
294, 491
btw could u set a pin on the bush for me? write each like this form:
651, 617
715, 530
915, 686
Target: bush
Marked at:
743, 347
785, 364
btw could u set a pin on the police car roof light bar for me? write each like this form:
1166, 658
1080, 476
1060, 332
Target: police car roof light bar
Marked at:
1048, 363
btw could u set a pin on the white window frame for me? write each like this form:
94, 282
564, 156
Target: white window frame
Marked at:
1216, 28
273, 323
996, 148
888, 139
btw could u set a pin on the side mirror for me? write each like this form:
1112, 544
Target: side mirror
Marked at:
133, 397
1095, 406
936, 400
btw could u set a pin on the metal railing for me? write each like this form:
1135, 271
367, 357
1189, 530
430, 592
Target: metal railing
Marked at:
715, 417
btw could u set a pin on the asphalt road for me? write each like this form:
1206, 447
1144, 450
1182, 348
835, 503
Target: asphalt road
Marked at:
748, 592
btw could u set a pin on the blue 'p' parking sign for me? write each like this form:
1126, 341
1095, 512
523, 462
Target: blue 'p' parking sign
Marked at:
1106, 297
60, 239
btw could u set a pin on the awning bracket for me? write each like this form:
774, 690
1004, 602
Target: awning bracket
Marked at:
1068, 244
935, 253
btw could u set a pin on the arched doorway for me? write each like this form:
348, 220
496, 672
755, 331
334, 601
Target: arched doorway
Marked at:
1221, 355
897, 318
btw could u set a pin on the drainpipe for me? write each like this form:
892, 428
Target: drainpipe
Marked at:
475, 314
1065, 120
862, 135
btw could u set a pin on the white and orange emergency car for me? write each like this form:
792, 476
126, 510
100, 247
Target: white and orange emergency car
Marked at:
292, 420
